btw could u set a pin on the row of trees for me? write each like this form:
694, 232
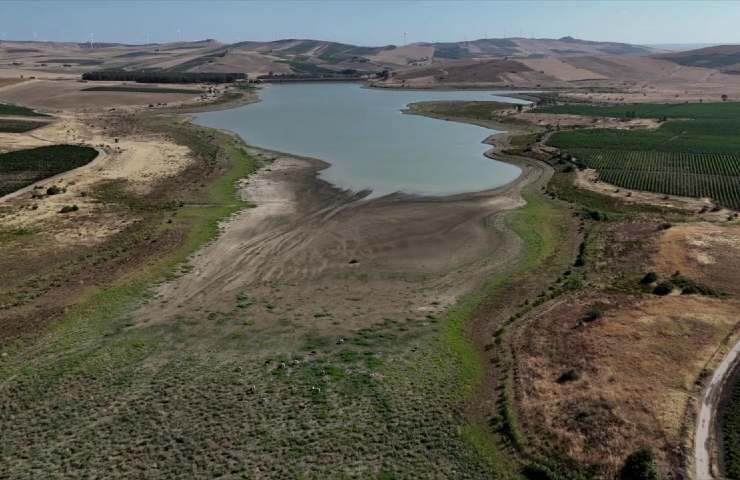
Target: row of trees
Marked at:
162, 77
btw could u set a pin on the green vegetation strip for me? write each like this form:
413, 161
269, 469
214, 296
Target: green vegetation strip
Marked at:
134, 89
540, 225
19, 126
24, 167
723, 110
10, 109
474, 110
695, 153
730, 423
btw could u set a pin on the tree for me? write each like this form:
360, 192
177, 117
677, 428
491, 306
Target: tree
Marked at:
640, 465
724, 97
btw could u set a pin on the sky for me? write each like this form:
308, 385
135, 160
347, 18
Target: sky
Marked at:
370, 23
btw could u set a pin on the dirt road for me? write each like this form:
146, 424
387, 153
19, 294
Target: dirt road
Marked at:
704, 444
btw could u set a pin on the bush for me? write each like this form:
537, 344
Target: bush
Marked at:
593, 313
690, 287
640, 465
568, 376
535, 471
69, 208
54, 190
649, 278
663, 288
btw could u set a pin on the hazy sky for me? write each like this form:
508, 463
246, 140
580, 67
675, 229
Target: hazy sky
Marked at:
370, 22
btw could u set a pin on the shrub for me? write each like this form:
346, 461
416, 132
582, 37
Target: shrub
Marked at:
69, 208
649, 278
535, 471
640, 465
593, 313
568, 376
690, 287
54, 190
663, 288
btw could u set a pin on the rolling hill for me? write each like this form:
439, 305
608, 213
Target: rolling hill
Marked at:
300, 56
725, 58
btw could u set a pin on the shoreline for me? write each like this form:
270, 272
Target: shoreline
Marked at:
505, 131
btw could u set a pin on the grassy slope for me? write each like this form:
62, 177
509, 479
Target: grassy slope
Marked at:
88, 349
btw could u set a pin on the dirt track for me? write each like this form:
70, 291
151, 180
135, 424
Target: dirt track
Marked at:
337, 263
706, 421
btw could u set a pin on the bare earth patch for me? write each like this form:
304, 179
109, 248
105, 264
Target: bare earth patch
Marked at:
334, 263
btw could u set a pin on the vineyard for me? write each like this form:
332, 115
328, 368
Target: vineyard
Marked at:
723, 110
696, 155
24, 167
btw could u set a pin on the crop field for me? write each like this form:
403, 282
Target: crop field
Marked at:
695, 155
724, 110
9, 109
114, 88
24, 167
19, 126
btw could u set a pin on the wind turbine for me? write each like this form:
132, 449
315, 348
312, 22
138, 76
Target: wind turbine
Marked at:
92, 36
404, 37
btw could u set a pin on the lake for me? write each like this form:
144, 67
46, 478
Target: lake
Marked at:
369, 143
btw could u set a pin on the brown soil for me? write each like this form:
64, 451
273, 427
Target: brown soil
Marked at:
55, 95
337, 263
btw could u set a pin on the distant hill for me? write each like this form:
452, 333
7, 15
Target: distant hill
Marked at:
291, 56
725, 58
534, 47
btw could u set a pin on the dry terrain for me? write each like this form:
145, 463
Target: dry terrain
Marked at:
637, 365
315, 300
209, 293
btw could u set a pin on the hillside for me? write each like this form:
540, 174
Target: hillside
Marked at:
723, 57
506, 62
644, 72
297, 56
534, 47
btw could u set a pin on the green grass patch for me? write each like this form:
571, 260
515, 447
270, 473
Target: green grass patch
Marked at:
10, 109
475, 110
19, 126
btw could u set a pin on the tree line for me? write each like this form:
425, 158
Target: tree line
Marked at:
162, 77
